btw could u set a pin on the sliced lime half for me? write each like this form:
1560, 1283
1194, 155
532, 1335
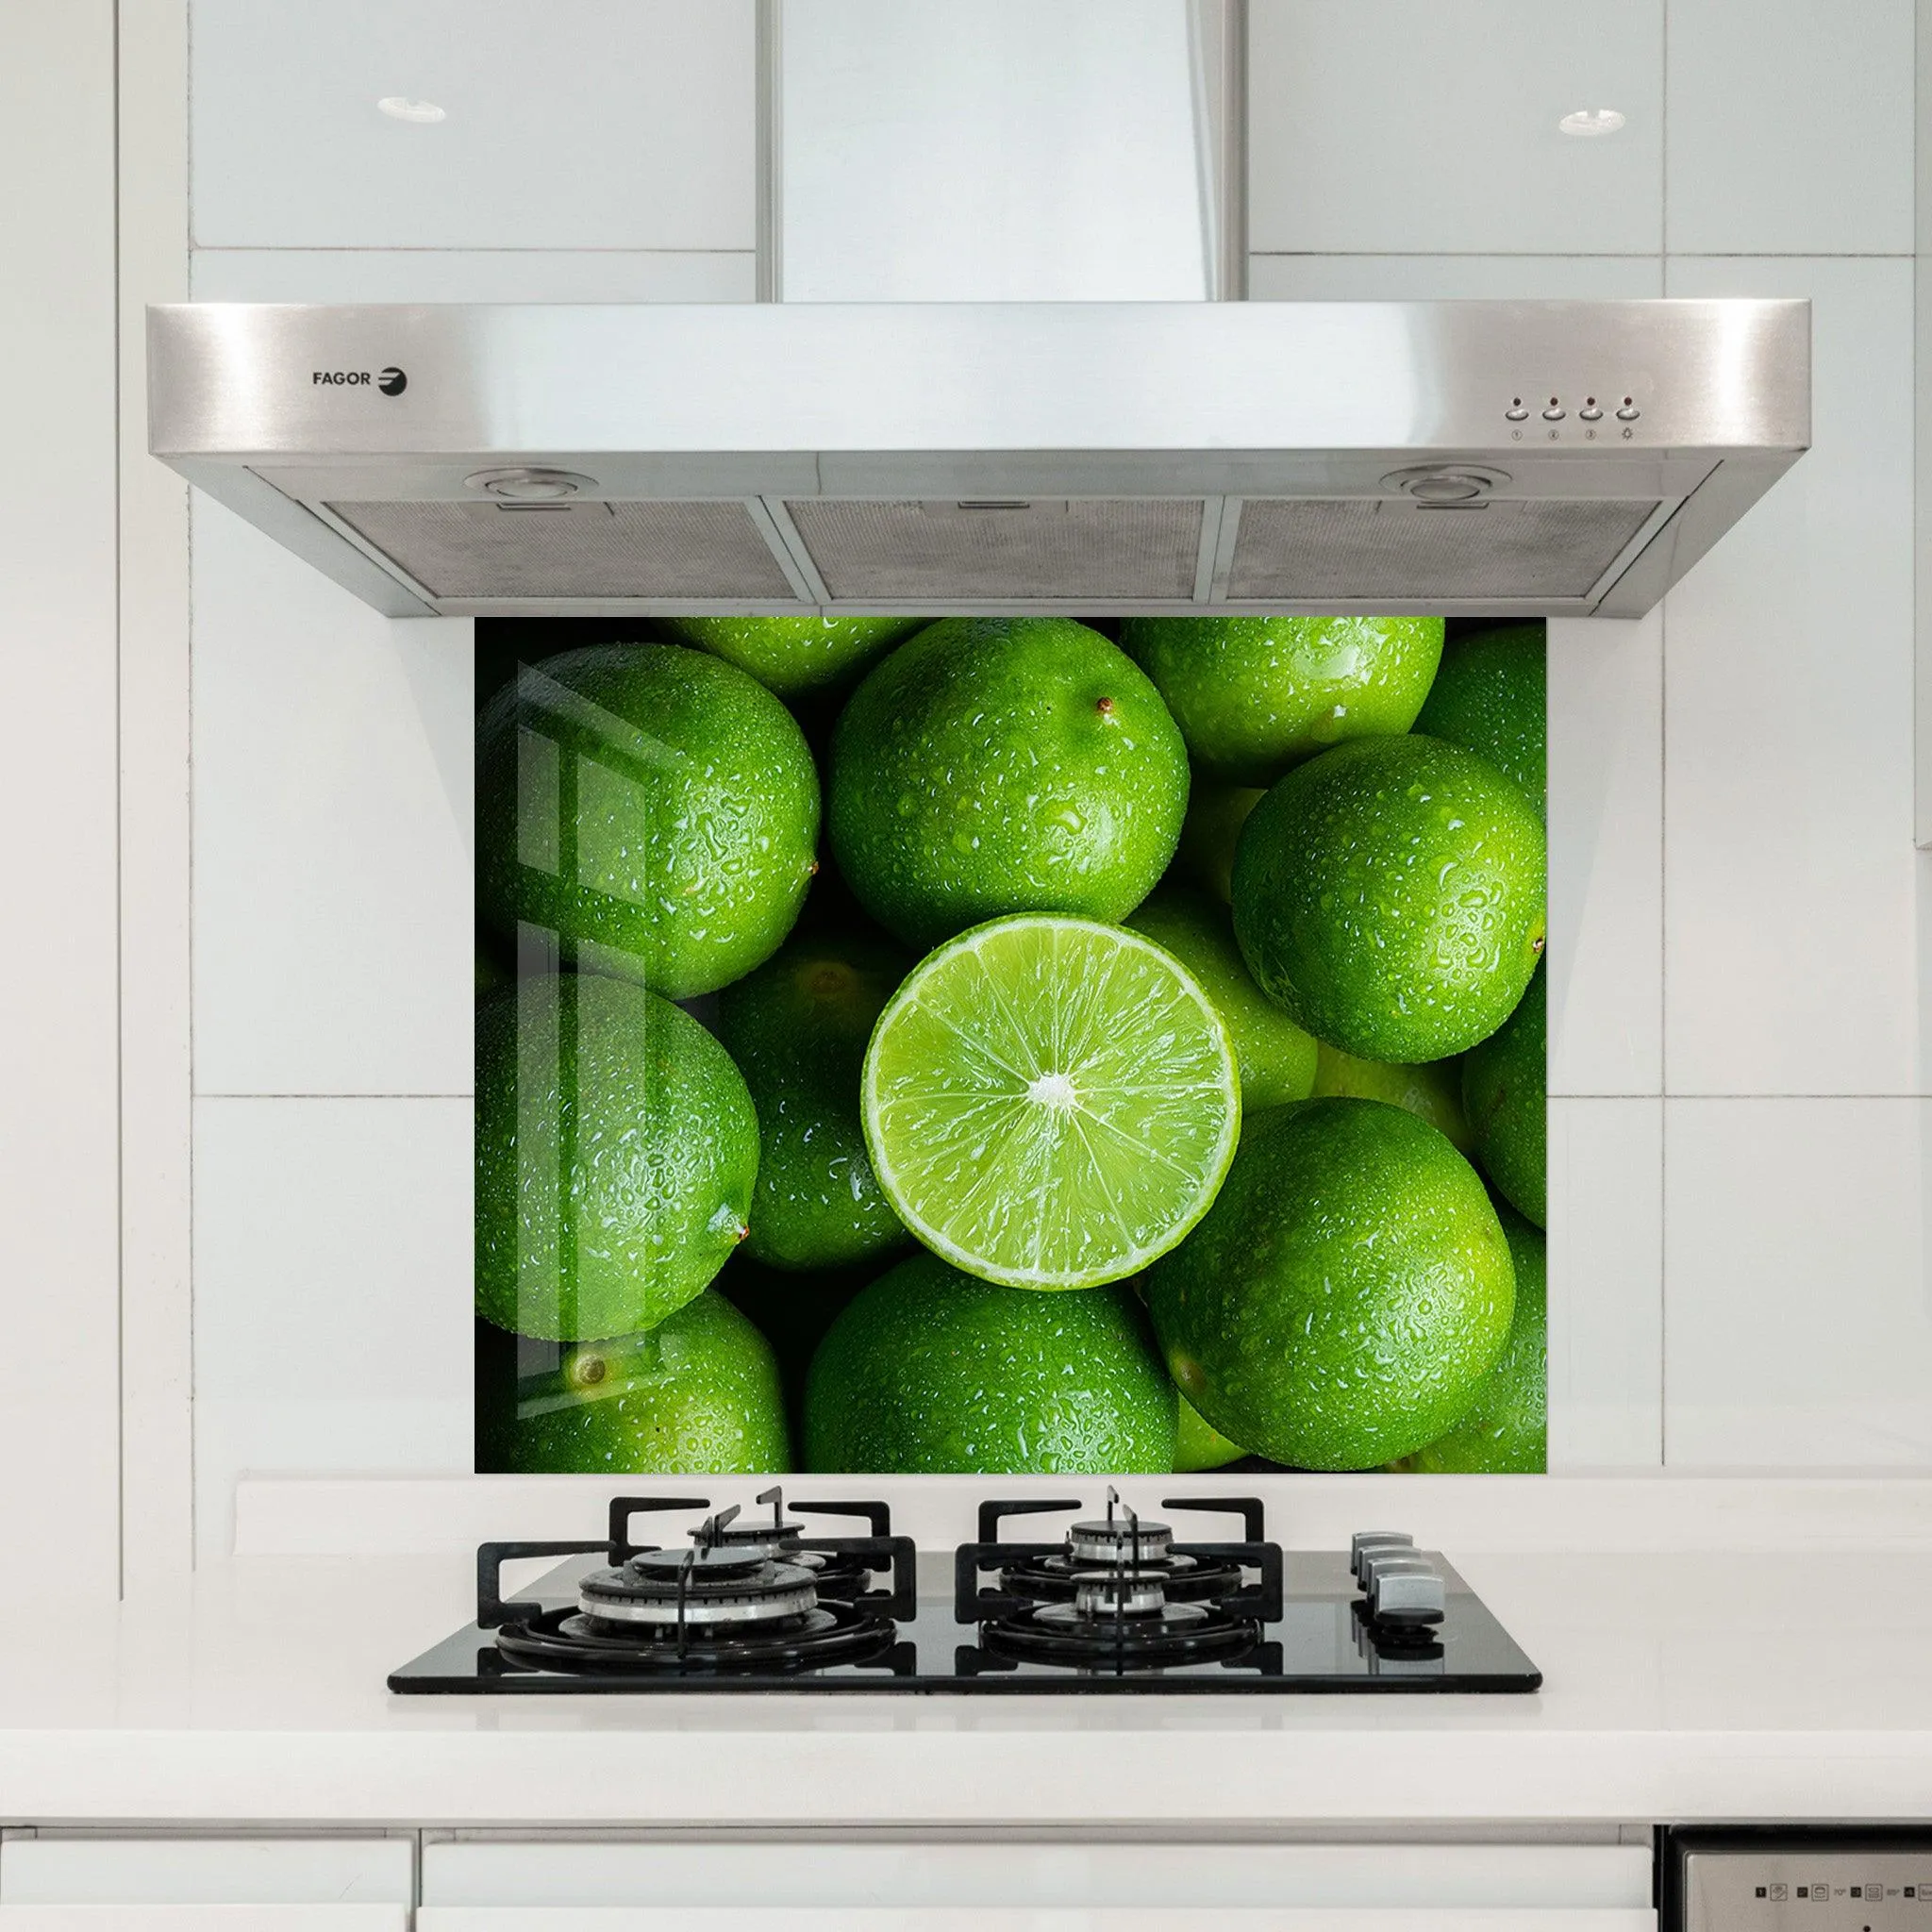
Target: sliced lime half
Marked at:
1050, 1102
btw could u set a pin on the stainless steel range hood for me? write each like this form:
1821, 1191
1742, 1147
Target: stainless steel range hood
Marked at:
1488, 458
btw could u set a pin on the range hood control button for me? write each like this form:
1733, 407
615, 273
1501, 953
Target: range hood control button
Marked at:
1556, 412
1590, 412
1515, 413
1628, 413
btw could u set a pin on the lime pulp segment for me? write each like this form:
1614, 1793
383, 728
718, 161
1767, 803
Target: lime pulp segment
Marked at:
1050, 1102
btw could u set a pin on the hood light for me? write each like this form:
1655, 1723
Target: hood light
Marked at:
531, 486
1587, 123
400, 107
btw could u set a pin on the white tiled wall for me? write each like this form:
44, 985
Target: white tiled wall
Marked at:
603, 152
1738, 1050
1738, 1137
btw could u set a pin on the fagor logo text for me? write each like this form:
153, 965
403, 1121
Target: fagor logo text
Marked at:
392, 381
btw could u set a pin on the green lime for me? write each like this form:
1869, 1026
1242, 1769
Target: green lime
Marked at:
1255, 695
794, 654
697, 1395
1390, 895
616, 1152
797, 1028
931, 1371
1276, 1057
1506, 1430
1491, 695
1003, 764
1431, 1090
648, 802
1199, 1445
1344, 1296
1216, 814
1504, 1082
1050, 1103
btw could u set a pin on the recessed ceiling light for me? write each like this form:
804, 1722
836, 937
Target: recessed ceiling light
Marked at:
1589, 121
399, 107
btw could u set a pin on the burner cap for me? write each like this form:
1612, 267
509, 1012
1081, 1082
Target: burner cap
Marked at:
1119, 1593
721, 1587
740, 1535
1112, 1541
709, 1564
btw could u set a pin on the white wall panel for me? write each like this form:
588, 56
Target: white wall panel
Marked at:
1606, 1287
1605, 950
1799, 1328
577, 124
334, 831
333, 1242
59, 1123
1384, 126
1792, 888
1791, 127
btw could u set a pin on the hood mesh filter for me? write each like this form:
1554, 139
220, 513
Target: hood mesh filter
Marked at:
1307, 551
944, 551
462, 550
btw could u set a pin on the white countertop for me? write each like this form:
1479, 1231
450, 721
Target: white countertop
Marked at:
1677, 1686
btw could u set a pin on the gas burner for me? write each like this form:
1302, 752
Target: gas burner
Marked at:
708, 1587
568, 1640
1119, 1593
747, 1596
833, 1574
1119, 1539
1175, 1634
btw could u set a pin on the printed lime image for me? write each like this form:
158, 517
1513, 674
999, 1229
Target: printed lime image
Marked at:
697, 1395
994, 1044
1390, 895
616, 1152
789, 655
1050, 1103
1292, 1334
797, 1028
649, 805
1003, 764
930, 1370
1256, 696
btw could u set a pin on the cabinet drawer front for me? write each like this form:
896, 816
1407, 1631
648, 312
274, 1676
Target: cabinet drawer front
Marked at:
83, 1869
829, 1872
779, 1918
133, 1918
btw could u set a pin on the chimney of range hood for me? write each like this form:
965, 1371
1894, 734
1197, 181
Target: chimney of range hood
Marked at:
920, 151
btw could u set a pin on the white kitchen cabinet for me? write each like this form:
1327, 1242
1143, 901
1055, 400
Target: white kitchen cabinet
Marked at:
1382, 127
200, 1918
259, 1882
510, 1887
1016, 1918
579, 123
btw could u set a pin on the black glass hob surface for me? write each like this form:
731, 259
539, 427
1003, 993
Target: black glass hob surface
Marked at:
821, 1597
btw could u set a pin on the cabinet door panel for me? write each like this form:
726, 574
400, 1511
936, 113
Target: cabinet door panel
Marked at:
200, 1874
782, 1917
128, 1918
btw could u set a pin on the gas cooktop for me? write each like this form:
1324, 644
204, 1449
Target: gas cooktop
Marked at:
1115, 1602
